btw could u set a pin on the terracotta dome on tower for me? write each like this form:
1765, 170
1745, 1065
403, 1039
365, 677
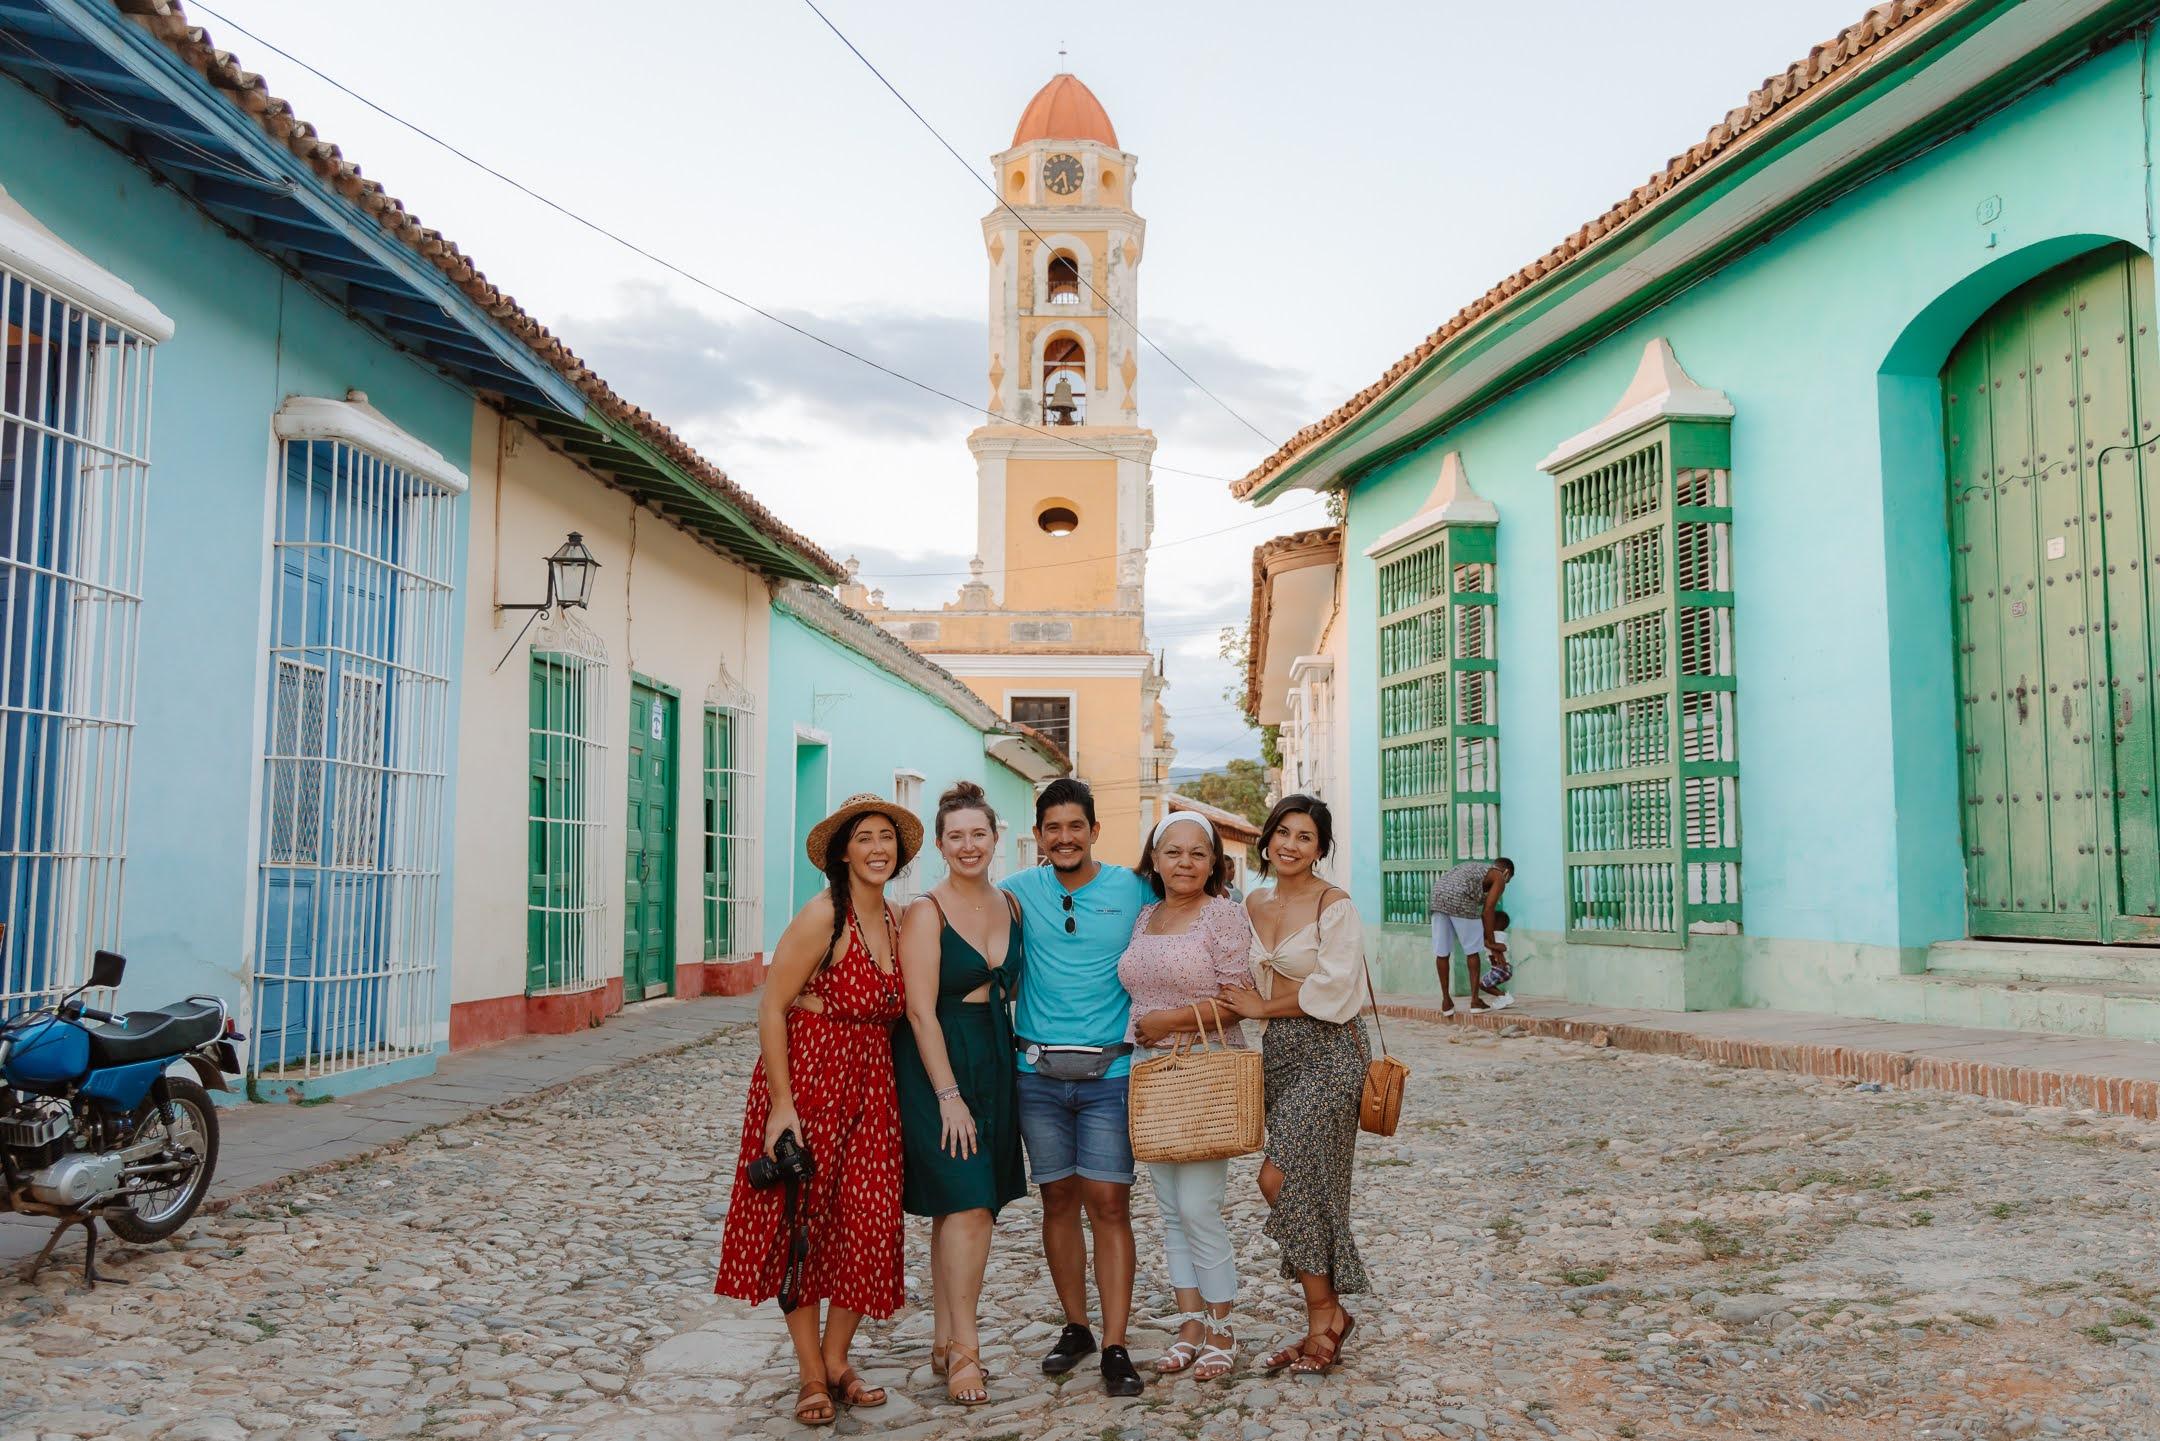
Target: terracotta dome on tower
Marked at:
1065, 110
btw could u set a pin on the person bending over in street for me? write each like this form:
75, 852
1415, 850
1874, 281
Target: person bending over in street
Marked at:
1187, 949
961, 952
1463, 901
1076, 917
824, 1082
1308, 948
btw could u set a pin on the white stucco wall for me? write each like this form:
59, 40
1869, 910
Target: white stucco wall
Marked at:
666, 607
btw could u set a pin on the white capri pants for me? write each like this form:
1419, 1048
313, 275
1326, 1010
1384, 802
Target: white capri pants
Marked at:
1195, 1238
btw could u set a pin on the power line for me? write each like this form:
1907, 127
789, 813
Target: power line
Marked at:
703, 284
1007, 207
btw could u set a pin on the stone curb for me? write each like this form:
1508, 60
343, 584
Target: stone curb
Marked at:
1899, 1070
214, 1205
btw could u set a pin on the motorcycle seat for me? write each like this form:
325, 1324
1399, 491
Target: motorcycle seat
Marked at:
170, 1030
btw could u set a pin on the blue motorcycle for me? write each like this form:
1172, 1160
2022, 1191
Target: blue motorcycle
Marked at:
95, 1126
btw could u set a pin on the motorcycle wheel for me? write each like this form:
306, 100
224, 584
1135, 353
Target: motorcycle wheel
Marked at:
153, 1214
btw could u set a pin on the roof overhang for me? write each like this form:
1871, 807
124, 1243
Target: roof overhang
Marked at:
229, 147
1293, 596
1029, 758
1898, 98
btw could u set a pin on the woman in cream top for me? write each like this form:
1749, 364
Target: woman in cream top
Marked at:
1309, 950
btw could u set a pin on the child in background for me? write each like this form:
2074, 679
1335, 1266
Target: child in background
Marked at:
1499, 973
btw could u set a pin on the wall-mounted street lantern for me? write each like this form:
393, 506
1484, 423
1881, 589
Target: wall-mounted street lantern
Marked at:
570, 577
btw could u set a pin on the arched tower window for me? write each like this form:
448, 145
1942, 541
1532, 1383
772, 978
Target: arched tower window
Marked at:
1064, 280
1063, 358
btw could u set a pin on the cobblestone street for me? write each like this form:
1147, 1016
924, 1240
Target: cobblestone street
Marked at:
1567, 1241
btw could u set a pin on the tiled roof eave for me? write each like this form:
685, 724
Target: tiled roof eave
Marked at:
1826, 70
1256, 626
166, 23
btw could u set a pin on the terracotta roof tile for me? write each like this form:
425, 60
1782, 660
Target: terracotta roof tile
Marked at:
1777, 96
1228, 823
167, 22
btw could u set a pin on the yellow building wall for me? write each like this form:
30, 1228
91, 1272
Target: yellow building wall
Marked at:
1039, 572
1106, 720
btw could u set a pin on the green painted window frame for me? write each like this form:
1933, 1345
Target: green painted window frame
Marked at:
1439, 718
1650, 770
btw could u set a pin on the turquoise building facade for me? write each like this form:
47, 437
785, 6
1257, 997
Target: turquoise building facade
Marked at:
854, 710
1794, 645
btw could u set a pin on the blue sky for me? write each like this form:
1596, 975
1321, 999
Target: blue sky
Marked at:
1323, 185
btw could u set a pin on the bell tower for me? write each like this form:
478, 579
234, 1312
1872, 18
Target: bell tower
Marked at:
1064, 270
1050, 625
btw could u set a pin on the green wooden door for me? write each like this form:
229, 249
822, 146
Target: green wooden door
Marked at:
2052, 522
649, 847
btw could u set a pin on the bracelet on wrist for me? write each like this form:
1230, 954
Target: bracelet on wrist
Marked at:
948, 1093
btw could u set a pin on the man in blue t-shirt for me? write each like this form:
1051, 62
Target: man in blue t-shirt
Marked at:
1070, 1024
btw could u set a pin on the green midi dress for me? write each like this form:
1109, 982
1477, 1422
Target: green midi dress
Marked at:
979, 1047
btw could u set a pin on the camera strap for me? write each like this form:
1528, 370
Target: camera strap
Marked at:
798, 1248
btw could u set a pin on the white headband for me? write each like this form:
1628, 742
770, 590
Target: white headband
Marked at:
1173, 818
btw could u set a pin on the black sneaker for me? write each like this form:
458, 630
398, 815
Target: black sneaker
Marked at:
1119, 1378
1073, 1342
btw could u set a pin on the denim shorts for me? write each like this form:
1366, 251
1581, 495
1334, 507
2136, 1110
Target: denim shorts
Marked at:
1075, 1128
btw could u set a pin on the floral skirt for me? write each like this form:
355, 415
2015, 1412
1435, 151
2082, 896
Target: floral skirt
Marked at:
1315, 1076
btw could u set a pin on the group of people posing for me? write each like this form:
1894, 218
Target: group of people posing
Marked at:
906, 1057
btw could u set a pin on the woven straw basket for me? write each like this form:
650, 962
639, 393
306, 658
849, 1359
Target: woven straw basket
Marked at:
1199, 1103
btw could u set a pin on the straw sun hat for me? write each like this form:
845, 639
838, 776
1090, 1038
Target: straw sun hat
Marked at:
867, 803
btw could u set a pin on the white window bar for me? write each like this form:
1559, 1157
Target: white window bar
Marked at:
362, 559
731, 812
567, 935
907, 789
74, 480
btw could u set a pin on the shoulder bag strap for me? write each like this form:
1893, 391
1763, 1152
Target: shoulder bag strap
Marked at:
1372, 996
933, 900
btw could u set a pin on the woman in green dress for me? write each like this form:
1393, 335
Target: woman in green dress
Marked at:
961, 959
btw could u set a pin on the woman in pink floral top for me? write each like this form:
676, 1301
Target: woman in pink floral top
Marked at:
1187, 948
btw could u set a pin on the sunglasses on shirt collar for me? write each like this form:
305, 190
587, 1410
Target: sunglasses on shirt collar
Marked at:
1070, 925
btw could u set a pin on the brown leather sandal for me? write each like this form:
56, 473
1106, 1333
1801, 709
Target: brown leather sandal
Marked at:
856, 1392
1324, 1352
814, 1405
961, 1359
938, 1363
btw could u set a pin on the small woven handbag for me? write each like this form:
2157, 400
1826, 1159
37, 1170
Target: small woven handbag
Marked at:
1385, 1077
1199, 1103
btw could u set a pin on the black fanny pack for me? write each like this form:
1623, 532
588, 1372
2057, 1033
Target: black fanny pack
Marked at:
1070, 1063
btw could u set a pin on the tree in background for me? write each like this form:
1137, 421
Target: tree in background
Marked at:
1239, 787
1235, 646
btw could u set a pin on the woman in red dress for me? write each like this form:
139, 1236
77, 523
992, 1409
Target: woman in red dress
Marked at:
826, 1073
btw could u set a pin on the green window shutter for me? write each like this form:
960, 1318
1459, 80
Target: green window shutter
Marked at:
730, 908
1651, 768
565, 894
719, 824
1439, 694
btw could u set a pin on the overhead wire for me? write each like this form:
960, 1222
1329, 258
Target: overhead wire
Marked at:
1079, 271
670, 266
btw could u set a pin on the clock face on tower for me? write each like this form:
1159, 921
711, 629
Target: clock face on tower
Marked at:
1062, 174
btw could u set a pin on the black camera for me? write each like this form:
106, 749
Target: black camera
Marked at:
790, 1162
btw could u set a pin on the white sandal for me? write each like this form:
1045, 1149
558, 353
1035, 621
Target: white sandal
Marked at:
1182, 1354
1213, 1355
